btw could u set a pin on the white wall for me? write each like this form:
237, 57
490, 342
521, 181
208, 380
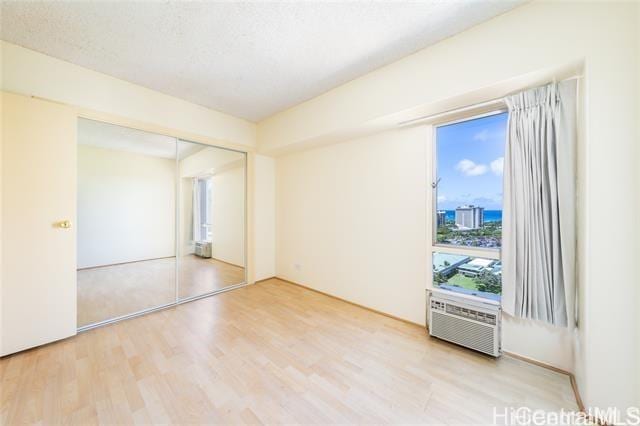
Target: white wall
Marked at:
265, 221
228, 215
536, 37
126, 209
28, 72
353, 217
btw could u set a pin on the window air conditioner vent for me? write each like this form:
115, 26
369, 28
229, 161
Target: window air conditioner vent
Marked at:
203, 249
466, 322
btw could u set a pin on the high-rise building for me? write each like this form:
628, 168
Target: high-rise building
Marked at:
469, 217
442, 218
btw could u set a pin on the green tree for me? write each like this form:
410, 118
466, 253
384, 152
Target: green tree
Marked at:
489, 282
439, 278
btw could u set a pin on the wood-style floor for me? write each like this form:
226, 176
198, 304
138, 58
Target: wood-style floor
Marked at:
111, 291
267, 353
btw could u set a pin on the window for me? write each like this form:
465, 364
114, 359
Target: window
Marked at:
469, 158
467, 274
467, 208
203, 208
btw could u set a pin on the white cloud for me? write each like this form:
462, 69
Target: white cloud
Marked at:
489, 134
497, 166
482, 135
441, 198
469, 168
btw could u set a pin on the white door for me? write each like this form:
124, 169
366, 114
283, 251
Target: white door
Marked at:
38, 303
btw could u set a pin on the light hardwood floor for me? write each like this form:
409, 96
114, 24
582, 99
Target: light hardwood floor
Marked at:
267, 353
112, 291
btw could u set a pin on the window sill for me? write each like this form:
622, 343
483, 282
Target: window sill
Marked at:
470, 297
487, 252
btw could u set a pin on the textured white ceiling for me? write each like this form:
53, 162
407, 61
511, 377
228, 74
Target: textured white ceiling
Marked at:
111, 136
248, 59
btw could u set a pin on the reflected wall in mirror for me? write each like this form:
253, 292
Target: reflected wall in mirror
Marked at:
126, 221
211, 240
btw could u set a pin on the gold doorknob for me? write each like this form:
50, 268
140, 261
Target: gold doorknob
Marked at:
65, 224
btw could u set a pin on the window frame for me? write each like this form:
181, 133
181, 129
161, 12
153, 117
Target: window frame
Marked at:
487, 252
204, 182
432, 199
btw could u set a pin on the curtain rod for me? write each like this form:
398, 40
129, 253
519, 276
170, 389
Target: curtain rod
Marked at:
469, 107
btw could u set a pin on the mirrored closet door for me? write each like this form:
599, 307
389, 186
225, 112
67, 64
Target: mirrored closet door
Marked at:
212, 219
160, 221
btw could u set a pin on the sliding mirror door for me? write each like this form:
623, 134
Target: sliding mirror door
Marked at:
126, 221
144, 198
211, 232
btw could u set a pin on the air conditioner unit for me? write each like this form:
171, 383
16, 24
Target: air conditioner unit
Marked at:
203, 249
465, 320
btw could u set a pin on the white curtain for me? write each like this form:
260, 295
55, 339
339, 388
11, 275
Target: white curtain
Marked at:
539, 203
195, 209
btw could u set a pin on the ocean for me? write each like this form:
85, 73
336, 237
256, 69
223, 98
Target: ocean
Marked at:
489, 215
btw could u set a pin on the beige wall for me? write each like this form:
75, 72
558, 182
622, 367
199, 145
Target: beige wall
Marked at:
31, 73
228, 215
126, 209
536, 38
265, 222
351, 221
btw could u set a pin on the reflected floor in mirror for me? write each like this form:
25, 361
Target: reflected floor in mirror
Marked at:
199, 276
111, 291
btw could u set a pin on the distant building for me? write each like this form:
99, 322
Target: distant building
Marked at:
469, 217
447, 264
476, 266
442, 218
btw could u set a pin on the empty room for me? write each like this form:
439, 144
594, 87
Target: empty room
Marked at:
314, 212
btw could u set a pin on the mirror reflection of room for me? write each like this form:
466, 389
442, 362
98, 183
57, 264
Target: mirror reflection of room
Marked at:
127, 217
126, 221
212, 218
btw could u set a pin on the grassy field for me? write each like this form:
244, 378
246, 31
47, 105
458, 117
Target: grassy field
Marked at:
462, 281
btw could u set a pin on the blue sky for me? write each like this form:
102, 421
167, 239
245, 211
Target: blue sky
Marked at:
470, 155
